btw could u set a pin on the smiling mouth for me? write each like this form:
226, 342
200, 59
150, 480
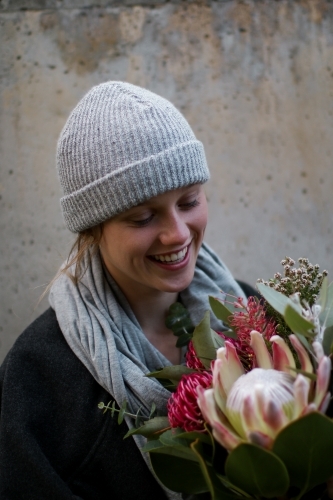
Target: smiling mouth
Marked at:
171, 258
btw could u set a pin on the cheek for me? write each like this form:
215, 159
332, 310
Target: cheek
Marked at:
202, 217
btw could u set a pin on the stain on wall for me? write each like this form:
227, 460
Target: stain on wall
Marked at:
255, 80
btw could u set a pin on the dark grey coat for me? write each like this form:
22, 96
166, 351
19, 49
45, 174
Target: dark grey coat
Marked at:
54, 441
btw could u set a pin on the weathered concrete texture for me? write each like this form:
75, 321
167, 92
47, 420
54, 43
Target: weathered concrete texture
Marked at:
15, 5
255, 80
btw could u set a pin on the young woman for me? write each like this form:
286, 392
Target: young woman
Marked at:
132, 173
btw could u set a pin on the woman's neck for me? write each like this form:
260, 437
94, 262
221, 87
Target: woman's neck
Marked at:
151, 311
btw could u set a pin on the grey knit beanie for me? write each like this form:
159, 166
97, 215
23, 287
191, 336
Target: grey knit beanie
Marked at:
122, 145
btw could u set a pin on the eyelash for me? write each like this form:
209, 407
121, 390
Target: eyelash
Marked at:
184, 206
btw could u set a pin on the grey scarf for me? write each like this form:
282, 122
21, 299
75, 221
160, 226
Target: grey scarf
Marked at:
101, 329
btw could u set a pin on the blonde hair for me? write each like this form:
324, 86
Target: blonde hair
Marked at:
85, 246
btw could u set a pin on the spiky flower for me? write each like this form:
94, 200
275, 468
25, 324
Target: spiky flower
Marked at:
248, 317
183, 408
192, 360
255, 406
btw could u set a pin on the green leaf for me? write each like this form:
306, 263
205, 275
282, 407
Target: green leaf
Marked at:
297, 322
276, 299
179, 474
122, 412
178, 320
183, 339
174, 372
305, 446
156, 446
171, 438
304, 341
311, 376
220, 310
192, 436
205, 341
257, 471
231, 334
151, 428
328, 340
217, 490
326, 316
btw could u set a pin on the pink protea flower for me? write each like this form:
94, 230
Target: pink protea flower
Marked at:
255, 406
183, 409
252, 316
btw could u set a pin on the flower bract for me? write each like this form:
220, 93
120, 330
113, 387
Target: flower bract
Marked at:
254, 406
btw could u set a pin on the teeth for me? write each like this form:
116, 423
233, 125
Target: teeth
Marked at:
172, 257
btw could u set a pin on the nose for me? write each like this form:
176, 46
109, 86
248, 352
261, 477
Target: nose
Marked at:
174, 230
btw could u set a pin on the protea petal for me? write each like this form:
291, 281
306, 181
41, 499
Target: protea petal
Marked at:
231, 367
225, 436
301, 393
303, 356
310, 408
275, 418
258, 345
325, 402
251, 415
219, 392
260, 439
323, 378
207, 405
282, 356
222, 430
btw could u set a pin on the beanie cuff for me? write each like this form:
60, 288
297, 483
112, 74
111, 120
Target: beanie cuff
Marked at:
126, 187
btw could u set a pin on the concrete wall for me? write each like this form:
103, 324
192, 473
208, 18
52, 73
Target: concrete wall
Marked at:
255, 80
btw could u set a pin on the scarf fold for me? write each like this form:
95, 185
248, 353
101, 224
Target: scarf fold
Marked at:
103, 332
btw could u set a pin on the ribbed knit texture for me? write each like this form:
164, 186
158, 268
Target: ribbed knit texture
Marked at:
121, 146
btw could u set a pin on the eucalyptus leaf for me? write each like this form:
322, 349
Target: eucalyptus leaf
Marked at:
179, 474
257, 471
218, 341
183, 339
276, 299
230, 334
305, 446
171, 438
204, 341
217, 490
304, 341
179, 320
122, 412
174, 372
220, 310
151, 428
155, 446
328, 340
192, 436
297, 322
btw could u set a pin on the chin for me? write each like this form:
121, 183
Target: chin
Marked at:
178, 286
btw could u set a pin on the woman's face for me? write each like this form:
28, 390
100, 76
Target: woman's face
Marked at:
154, 246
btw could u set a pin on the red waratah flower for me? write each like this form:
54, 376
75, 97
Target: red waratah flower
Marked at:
183, 409
252, 316
192, 360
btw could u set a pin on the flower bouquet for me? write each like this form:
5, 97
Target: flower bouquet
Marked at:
247, 415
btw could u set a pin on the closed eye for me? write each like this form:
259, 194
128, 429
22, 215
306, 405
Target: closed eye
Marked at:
191, 204
143, 222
